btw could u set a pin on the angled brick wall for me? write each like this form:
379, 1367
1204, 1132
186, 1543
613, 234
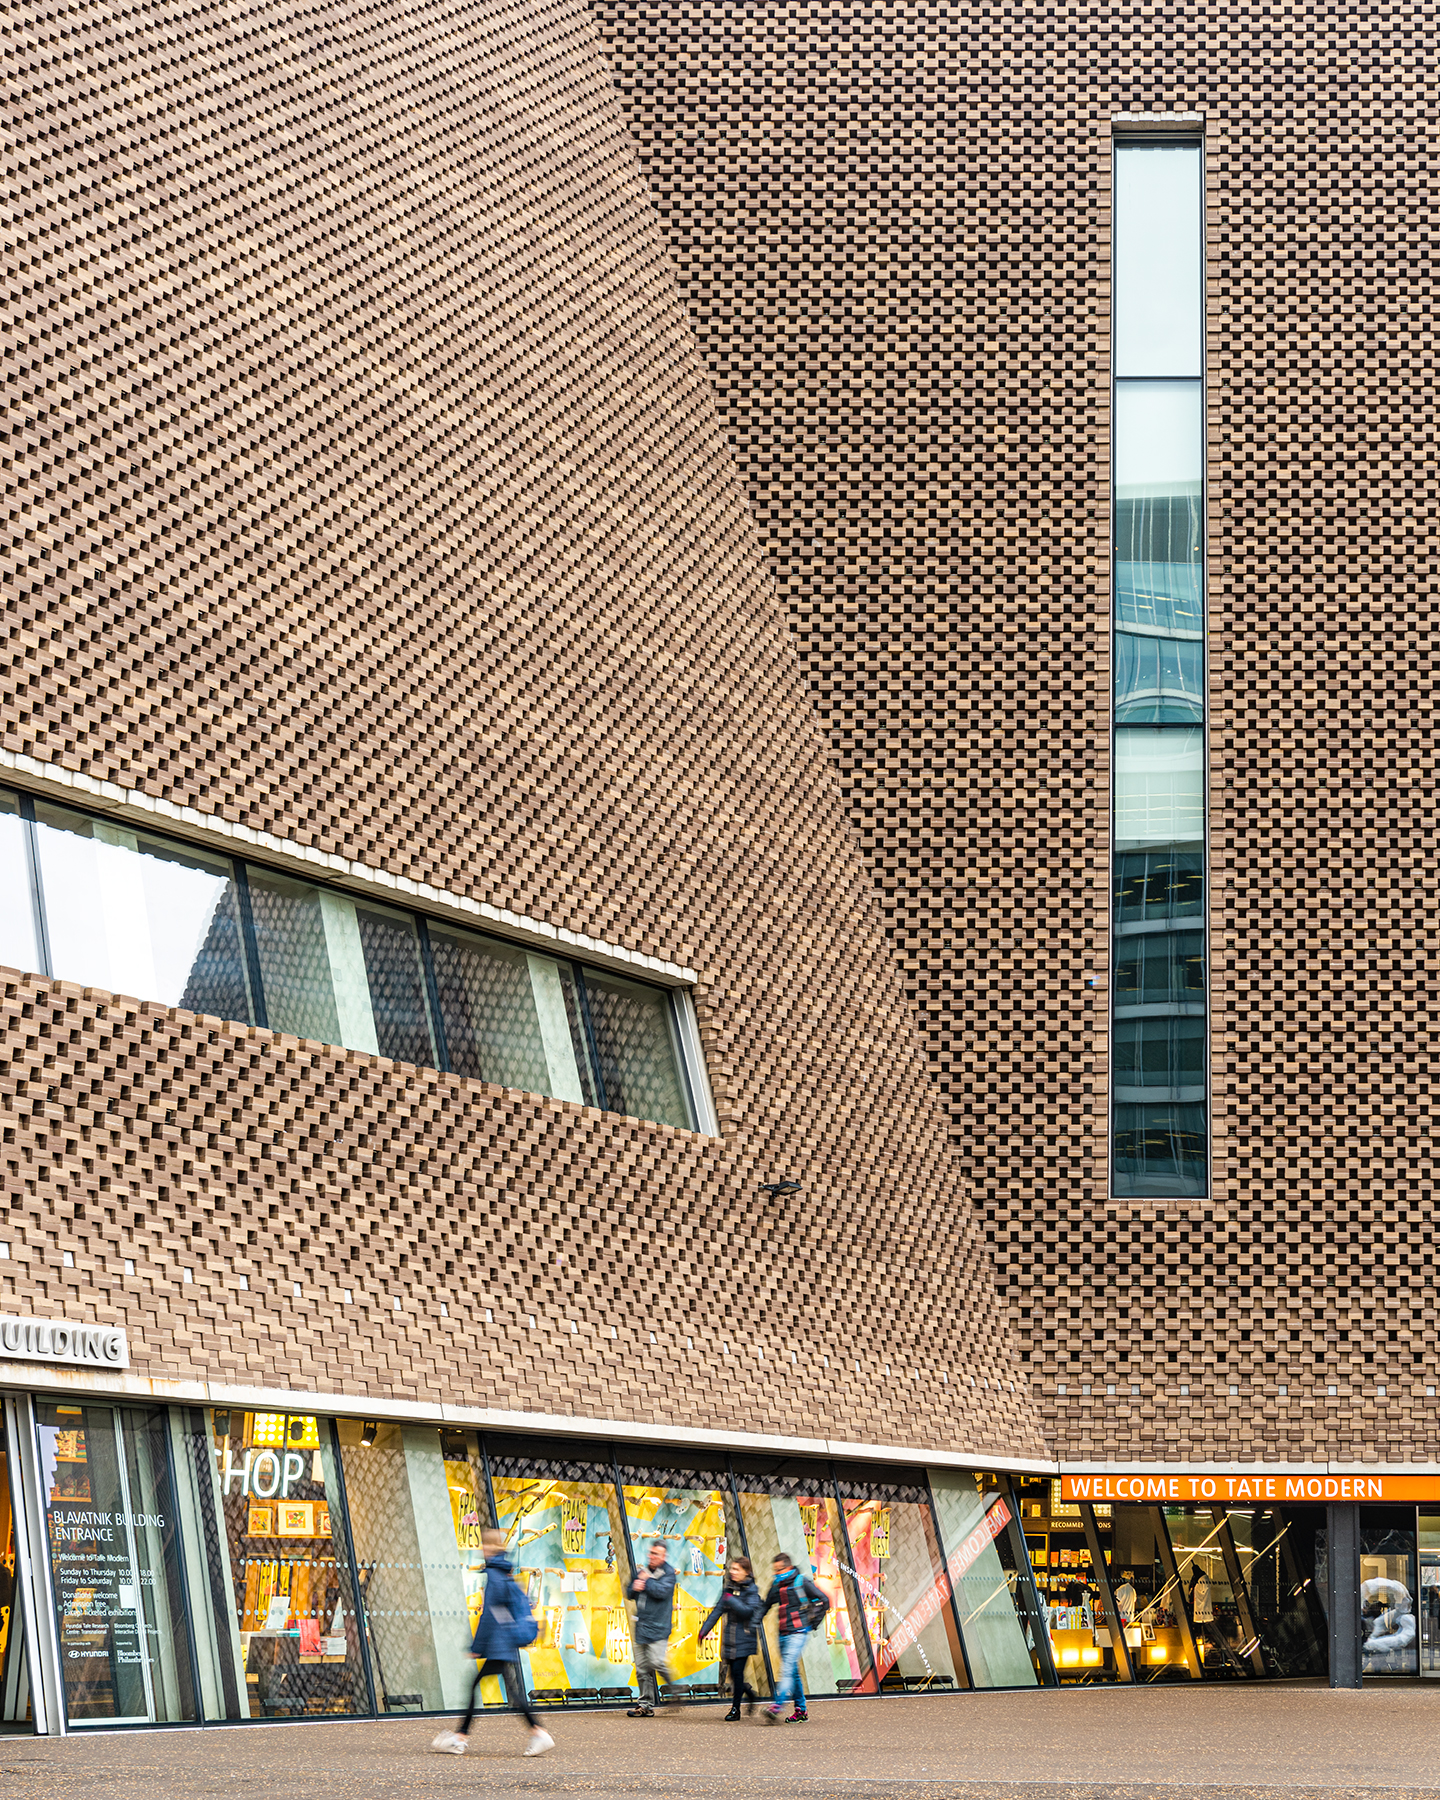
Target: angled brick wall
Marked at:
365, 487
891, 229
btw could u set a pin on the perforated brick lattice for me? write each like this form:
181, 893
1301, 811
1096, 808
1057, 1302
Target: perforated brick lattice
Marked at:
365, 487
892, 231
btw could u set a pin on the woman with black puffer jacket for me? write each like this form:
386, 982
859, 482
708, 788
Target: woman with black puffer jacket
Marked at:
739, 1607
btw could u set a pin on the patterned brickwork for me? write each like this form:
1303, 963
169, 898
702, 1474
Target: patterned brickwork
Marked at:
891, 227
365, 486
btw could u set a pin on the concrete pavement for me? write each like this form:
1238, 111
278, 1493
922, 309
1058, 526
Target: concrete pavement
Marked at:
1290, 1742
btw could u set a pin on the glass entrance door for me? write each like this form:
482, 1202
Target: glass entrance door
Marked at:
115, 1564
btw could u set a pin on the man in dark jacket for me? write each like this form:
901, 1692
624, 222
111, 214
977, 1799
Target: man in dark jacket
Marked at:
506, 1624
802, 1607
739, 1607
653, 1590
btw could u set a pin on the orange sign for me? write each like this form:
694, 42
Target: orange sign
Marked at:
1152, 1489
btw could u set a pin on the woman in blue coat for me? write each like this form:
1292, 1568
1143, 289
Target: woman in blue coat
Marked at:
739, 1607
506, 1626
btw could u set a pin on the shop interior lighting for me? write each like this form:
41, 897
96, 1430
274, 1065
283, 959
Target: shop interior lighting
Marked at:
368, 1433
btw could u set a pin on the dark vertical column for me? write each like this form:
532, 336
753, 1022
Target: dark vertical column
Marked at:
943, 1552
854, 1594
1342, 1563
1113, 1622
1037, 1609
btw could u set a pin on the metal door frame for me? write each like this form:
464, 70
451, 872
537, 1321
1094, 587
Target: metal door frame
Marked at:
32, 1570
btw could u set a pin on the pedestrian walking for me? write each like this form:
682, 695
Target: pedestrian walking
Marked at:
802, 1606
654, 1593
739, 1608
506, 1626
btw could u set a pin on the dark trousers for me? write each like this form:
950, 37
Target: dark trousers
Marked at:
739, 1687
509, 1674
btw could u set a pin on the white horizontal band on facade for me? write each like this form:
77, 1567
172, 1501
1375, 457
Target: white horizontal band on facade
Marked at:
67, 787
1249, 1469
177, 1392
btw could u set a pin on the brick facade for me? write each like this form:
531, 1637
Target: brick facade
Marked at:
891, 229
366, 488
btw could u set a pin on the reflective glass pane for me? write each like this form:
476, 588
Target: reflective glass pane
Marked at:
511, 1016
639, 1057
415, 1500
796, 1516
566, 1540
904, 1588
17, 909
1276, 1552
1164, 1052
139, 915
1148, 1600
293, 941
114, 1555
395, 978
691, 1518
1209, 1598
1160, 968
1159, 516
1158, 680
1160, 1149
292, 1604
976, 1533
1158, 270
1159, 784
14, 1672
1389, 1640
1152, 886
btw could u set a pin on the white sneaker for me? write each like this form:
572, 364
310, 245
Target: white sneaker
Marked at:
450, 1742
540, 1742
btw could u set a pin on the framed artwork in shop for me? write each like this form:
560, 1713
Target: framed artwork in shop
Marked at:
259, 1522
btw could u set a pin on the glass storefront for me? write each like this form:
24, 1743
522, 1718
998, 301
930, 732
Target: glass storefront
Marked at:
14, 1674
210, 1565
789, 1508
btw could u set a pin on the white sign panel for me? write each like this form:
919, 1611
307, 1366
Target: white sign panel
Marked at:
58, 1341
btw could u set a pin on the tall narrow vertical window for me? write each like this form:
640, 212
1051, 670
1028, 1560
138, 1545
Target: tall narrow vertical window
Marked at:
1160, 1124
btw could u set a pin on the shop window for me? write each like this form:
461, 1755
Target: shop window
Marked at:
414, 1496
979, 1538
270, 1502
1149, 1603
1276, 1552
1389, 1627
903, 1584
691, 1512
566, 1540
791, 1508
111, 1527
1428, 1610
1218, 1615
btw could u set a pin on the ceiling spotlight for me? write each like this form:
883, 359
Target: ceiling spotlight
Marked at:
368, 1432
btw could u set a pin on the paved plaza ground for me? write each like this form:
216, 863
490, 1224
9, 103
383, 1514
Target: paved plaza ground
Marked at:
1287, 1741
